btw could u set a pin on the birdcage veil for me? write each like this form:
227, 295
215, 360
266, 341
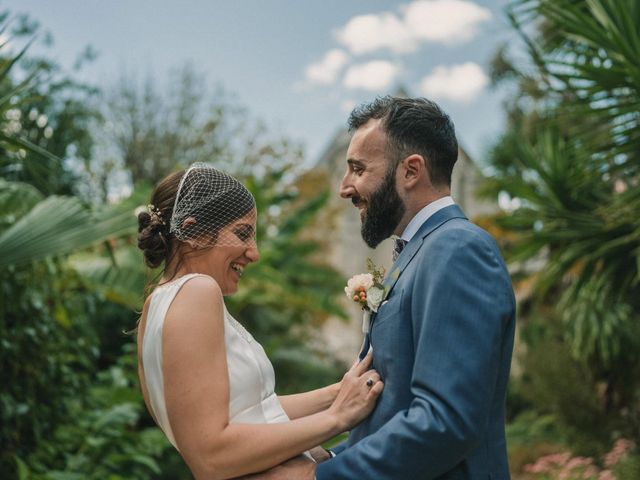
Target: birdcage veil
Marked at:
207, 201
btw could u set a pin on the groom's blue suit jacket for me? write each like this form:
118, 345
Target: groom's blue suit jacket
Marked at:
442, 343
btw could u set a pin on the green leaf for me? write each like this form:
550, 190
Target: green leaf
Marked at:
23, 469
56, 226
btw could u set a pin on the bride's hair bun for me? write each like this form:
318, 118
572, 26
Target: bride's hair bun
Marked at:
144, 220
153, 239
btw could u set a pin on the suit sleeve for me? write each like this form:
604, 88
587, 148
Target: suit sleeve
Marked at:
461, 298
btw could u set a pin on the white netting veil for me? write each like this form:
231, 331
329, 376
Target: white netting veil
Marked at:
212, 209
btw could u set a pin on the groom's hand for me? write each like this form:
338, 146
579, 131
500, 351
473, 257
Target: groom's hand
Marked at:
296, 468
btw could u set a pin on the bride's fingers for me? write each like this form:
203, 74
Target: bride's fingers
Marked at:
376, 389
364, 365
372, 375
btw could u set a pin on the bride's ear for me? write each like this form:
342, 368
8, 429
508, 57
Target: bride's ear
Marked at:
186, 224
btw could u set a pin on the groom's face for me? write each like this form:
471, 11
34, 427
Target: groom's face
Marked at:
370, 183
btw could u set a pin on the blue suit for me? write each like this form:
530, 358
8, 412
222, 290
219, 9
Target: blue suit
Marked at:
442, 343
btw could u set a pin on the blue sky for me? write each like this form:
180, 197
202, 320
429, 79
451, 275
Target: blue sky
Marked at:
298, 65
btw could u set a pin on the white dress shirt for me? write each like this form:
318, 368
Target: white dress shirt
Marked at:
422, 216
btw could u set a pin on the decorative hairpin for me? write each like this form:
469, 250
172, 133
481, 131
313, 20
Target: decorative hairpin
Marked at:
156, 214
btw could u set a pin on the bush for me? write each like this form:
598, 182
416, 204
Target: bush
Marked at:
554, 383
111, 437
47, 355
617, 464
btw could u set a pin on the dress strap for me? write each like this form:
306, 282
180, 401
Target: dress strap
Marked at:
180, 280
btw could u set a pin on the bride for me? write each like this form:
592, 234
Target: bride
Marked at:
205, 380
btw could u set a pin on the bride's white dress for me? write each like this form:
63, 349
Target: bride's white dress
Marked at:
251, 378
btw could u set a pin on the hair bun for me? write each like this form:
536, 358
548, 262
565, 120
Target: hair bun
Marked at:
152, 240
144, 220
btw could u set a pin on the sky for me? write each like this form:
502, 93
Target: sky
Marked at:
300, 66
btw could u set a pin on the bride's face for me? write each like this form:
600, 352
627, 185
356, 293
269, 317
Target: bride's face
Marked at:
235, 248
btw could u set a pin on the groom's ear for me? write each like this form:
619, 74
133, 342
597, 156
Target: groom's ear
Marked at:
413, 171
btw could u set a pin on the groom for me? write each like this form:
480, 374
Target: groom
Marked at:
443, 337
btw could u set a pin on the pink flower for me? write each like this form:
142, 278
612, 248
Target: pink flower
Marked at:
577, 462
364, 280
620, 448
548, 463
606, 475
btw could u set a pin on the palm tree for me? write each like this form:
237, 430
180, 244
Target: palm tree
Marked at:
48, 348
35, 226
572, 160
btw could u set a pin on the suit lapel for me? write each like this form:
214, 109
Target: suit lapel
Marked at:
412, 248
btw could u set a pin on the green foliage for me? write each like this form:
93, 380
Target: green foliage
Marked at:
151, 128
110, 437
73, 279
569, 162
47, 355
531, 436
557, 384
45, 115
620, 462
290, 288
49, 346
570, 212
628, 468
56, 226
590, 52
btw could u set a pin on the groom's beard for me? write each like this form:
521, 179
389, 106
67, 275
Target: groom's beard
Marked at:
384, 210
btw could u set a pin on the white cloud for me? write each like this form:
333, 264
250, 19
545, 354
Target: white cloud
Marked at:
368, 33
439, 21
444, 21
460, 83
326, 70
375, 75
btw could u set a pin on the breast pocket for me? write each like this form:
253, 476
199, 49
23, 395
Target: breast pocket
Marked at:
390, 307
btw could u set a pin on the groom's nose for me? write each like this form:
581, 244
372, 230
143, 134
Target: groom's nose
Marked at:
346, 188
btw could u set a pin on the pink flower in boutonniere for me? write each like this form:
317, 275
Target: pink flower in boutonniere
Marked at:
367, 290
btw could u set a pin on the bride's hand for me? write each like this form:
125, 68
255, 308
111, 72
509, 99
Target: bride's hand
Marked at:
359, 391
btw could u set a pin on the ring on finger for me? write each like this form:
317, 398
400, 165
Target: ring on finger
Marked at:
370, 382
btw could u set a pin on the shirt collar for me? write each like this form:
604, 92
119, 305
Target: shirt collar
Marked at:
422, 216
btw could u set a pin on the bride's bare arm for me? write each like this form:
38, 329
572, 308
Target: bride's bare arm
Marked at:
302, 404
197, 396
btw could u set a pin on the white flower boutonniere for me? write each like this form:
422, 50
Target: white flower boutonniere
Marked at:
367, 290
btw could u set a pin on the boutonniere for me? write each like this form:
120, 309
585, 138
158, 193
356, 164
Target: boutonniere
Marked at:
367, 290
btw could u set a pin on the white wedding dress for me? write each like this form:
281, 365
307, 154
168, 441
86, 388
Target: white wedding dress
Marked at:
251, 378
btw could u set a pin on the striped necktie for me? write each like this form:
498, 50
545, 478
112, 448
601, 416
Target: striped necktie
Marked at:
398, 246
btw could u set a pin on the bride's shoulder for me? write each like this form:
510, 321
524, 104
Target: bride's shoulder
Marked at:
198, 295
201, 283
200, 286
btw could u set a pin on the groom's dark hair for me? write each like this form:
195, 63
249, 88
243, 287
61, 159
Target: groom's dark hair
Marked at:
413, 125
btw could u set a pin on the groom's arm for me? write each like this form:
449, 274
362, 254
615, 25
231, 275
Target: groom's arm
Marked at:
460, 303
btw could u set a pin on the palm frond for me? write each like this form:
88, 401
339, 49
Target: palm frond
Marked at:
56, 226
